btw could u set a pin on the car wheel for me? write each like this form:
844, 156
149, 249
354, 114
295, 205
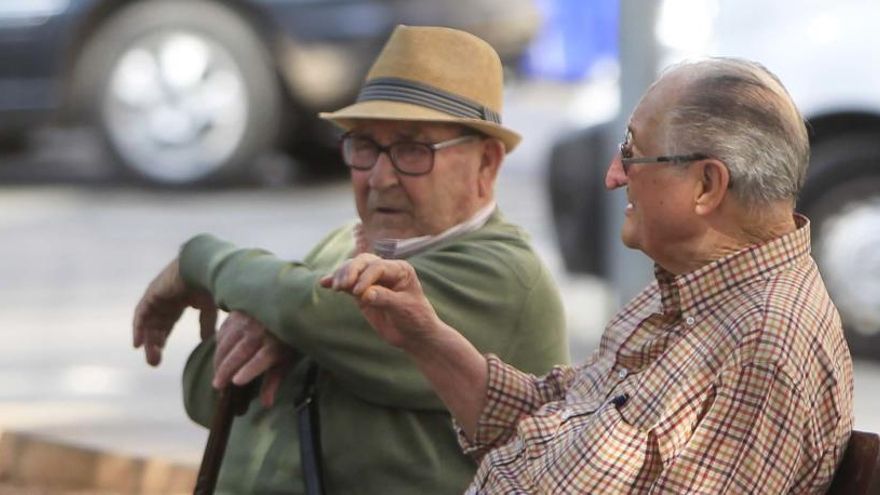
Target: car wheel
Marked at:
843, 202
183, 92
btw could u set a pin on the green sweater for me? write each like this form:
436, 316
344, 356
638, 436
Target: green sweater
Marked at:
383, 430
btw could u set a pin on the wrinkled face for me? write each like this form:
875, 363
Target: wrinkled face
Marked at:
397, 206
659, 216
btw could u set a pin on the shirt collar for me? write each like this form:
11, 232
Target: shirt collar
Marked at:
697, 290
404, 248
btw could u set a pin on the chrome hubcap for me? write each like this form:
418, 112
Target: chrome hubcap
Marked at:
849, 255
176, 106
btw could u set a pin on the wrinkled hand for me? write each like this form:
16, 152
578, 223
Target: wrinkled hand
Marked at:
161, 306
390, 297
246, 350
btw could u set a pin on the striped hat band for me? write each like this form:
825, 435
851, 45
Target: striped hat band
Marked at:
406, 91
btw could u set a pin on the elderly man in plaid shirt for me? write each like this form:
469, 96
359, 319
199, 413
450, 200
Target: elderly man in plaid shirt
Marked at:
727, 374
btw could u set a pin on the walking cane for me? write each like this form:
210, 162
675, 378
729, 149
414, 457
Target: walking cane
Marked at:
233, 402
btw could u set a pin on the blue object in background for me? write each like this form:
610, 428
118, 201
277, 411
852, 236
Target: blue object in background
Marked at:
577, 38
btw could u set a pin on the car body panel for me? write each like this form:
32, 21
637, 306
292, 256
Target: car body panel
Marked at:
32, 35
39, 38
816, 59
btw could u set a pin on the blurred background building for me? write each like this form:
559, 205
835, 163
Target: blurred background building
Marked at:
127, 126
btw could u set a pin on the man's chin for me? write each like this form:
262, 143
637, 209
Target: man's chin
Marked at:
628, 238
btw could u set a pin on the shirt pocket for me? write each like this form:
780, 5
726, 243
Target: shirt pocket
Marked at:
578, 448
670, 416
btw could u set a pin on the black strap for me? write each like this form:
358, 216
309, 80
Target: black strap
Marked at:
310, 433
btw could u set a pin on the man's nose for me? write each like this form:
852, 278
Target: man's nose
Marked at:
383, 174
616, 175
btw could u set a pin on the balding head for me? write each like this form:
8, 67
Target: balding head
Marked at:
738, 112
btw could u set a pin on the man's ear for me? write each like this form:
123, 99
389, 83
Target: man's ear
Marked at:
490, 164
713, 186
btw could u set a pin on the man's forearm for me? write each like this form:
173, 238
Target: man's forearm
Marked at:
457, 372
283, 296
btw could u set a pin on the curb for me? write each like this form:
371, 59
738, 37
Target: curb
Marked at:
30, 461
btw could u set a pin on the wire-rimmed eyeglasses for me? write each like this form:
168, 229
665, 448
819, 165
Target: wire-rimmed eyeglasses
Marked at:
627, 158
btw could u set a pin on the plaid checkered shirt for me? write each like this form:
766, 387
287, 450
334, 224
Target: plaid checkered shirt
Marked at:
734, 378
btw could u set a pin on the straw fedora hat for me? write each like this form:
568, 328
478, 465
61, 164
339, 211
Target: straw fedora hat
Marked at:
433, 74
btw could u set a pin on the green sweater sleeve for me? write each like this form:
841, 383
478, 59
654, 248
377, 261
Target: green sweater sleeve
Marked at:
491, 288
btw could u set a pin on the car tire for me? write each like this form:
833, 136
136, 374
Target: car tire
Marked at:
576, 184
842, 199
183, 92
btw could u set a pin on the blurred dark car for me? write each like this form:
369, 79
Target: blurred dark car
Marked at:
189, 92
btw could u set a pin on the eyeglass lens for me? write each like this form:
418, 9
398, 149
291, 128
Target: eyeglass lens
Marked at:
362, 153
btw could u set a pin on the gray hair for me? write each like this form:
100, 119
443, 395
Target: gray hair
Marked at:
740, 113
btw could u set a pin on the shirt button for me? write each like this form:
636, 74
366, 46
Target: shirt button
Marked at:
622, 373
690, 321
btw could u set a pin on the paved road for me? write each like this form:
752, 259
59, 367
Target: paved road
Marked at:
77, 250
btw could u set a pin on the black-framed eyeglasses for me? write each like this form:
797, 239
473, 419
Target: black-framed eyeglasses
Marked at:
627, 158
407, 157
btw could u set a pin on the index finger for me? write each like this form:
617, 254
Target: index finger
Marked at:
347, 275
230, 334
243, 352
387, 273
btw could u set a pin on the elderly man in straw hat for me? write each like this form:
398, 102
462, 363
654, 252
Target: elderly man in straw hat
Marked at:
424, 143
728, 374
